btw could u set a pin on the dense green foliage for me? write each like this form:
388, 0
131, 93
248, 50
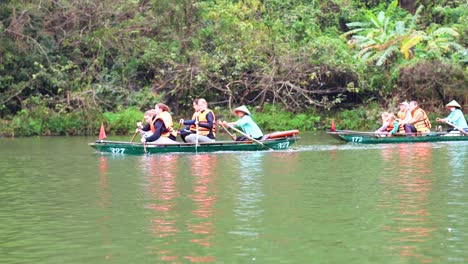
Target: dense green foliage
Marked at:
67, 65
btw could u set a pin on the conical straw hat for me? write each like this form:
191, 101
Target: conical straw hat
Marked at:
242, 108
454, 104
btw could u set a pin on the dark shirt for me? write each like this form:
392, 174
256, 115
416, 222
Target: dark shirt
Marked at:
209, 124
160, 128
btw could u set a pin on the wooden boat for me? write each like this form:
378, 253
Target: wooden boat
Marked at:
123, 147
372, 138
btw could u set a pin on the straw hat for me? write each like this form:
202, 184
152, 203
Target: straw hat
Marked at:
404, 103
454, 104
242, 108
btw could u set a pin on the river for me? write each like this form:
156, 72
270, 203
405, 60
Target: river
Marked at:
320, 202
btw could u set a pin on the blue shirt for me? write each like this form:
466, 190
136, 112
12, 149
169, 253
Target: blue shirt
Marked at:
249, 127
457, 118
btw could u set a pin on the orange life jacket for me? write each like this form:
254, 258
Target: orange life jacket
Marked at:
401, 115
166, 118
202, 118
390, 127
424, 124
193, 128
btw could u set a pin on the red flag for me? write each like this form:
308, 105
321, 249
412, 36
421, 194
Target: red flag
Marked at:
102, 132
333, 128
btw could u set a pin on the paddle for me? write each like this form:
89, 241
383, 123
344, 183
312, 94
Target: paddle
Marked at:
227, 131
247, 136
198, 134
458, 128
136, 132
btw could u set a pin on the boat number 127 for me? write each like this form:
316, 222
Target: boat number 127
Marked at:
117, 150
356, 139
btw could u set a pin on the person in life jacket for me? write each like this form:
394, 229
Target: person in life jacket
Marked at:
246, 123
189, 127
383, 129
419, 120
204, 120
393, 125
404, 114
145, 130
162, 127
456, 117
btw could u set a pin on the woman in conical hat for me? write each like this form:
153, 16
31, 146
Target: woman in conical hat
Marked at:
246, 123
456, 117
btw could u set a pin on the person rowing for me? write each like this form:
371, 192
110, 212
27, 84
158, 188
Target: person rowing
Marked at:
161, 126
246, 123
190, 127
145, 130
204, 123
456, 118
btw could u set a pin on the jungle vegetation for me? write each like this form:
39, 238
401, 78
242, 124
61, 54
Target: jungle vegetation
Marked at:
68, 65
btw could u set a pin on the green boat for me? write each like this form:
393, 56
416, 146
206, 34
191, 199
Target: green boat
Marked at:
372, 138
128, 148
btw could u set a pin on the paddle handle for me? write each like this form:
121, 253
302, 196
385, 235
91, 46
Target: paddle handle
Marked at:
245, 135
136, 132
227, 131
458, 128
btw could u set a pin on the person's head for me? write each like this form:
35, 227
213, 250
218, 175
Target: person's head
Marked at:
453, 105
403, 106
413, 105
160, 107
202, 104
241, 111
391, 118
195, 104
149, 114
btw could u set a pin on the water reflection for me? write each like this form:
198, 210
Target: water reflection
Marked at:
104, 203
203, 167
160, 173
457, 203
406, 198
183, 229
248, 211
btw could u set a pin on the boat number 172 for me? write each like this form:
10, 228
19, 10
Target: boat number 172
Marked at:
356, 139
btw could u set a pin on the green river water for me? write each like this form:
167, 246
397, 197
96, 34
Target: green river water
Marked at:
321, 202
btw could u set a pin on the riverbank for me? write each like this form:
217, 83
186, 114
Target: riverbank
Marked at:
47, 122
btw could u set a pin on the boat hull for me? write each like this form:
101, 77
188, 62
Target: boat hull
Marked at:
370, 138
128, 148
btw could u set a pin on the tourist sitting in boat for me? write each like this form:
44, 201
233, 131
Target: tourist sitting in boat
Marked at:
145, 130
393, 125
246, 123
419, 122
161, 126
189, 129
404, 114
385, 123
204, 122
456, 118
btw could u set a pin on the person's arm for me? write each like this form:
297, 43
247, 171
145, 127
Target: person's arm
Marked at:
395, 128
453, 117
146, 127
383, 128
189, 122
159, 127
209, 123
